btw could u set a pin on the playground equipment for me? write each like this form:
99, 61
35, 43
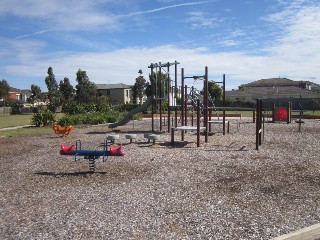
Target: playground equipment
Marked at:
201, 104
161, 90
183, 128
63, 131
259, 123
130, 114
91, 155
131, 137
282, 114
300, 121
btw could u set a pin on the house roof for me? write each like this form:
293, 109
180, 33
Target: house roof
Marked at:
269, 91
14, 90
26, 92
275, 87
113, 86
271, 82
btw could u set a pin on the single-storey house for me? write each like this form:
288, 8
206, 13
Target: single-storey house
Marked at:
281, 90
274, 88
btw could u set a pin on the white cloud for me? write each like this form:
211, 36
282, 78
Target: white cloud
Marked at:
229, 43
122, 65
297, 47
62, 15
237, 33
199, 20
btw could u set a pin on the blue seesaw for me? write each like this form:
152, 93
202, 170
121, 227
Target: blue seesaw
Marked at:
92, 155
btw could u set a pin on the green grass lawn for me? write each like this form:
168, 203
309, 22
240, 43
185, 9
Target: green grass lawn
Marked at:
15, 120
21, 120
18, 120
25, 131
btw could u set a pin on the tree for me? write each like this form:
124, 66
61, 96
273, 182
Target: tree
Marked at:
4, 89
53, 91
157, 81
139, 87
215, 91
315, 104
67, 91
86, 91
36, 93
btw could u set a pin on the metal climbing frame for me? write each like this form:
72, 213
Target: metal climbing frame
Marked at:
159, 96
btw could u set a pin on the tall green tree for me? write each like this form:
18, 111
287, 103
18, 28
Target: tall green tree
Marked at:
158, 82
36, 94
53, 91
86, 91
215, 91
139, 88
4, 89
67, 91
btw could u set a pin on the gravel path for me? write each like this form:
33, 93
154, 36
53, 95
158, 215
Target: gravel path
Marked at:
224, 189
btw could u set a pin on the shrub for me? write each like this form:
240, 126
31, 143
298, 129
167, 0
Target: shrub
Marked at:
85, 108
89, 118
73, 108
43, 117
125, 107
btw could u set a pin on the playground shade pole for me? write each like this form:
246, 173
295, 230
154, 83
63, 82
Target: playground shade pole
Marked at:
206, 90
224, 104
182, 102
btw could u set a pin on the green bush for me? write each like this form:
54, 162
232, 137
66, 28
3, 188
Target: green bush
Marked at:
94, 113
43, 117
73, 109
85, 108
125, 107
89, 118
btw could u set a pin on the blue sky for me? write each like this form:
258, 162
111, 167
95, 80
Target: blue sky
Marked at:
245, 39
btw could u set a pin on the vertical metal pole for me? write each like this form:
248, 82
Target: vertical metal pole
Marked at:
288, 112
206, 91
176, 92
273, 112
152, 98
169, 96
186, 105
161, 95
257, 125
192, 99
182, 102
260, 121
224, 103
198, 123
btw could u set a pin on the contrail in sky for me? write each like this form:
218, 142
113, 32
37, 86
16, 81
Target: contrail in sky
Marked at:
32, 34
167, 7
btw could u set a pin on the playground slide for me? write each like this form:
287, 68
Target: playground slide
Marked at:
130, 114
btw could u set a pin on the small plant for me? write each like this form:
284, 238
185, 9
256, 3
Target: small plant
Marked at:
43, 117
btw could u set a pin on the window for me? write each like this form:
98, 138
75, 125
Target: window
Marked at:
108, 92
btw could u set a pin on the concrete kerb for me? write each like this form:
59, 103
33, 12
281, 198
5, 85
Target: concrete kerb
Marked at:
308, 233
